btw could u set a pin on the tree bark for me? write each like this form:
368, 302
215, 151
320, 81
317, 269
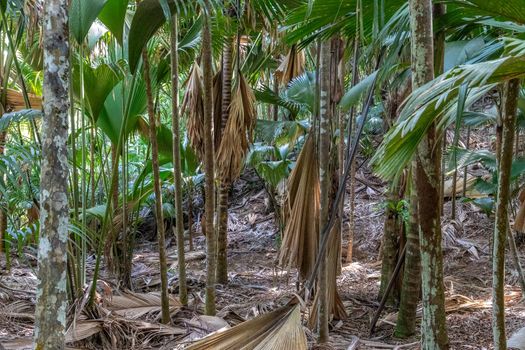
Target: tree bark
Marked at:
51, 304
177, 168
161, 236
211, 242
501, 227
428, 180
3, 213
222, 212
325, 182
411, 283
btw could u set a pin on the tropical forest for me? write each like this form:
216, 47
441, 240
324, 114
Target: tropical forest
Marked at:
262, 174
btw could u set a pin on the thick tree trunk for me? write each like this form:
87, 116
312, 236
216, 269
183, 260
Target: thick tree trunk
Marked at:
222, 207
428, 180
158, 194
325, 182
51, 304
501, 227
211, 241
177, 168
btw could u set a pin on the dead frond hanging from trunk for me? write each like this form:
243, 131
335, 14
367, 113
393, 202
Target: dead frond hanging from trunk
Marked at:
301, 234
291, 66
277, 330
237, 132
335, 304
193, 106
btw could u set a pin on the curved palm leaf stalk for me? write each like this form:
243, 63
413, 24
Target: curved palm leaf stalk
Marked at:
501, 226
177, 168
211, 243
158, 194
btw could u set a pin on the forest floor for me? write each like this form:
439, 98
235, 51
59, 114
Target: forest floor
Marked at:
257, 285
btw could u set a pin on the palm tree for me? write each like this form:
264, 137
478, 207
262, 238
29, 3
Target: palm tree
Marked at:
211, 242
509, 104
325, 180
52, 303
158, 194
427, 180
177, 168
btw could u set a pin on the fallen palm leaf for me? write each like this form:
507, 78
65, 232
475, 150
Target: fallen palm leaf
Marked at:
136, 305
83, 329
278, 330
471, 192
15, 101
300, 237
237, 132
291, 66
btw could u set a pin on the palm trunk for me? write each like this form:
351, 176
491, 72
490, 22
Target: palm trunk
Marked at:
211, 243
3, 213
508, 123
158, 195
177, 168
222, 208
190, 217
427, 180
325, 182
52, 304
390, 244
411, 283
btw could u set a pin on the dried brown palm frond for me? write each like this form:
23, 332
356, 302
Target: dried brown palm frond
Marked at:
193, 106
519, 221
291, 66
301, 234
277, 330
237, 132
335, 304
15, 101
136, 305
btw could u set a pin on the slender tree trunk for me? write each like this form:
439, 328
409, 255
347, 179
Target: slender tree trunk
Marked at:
51, 304
211, 241
428, 187
390, 243
351, 226
177, 168
222, 212
501, 227
411, 283
190, 217
325, 182
3, 213
158, 194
